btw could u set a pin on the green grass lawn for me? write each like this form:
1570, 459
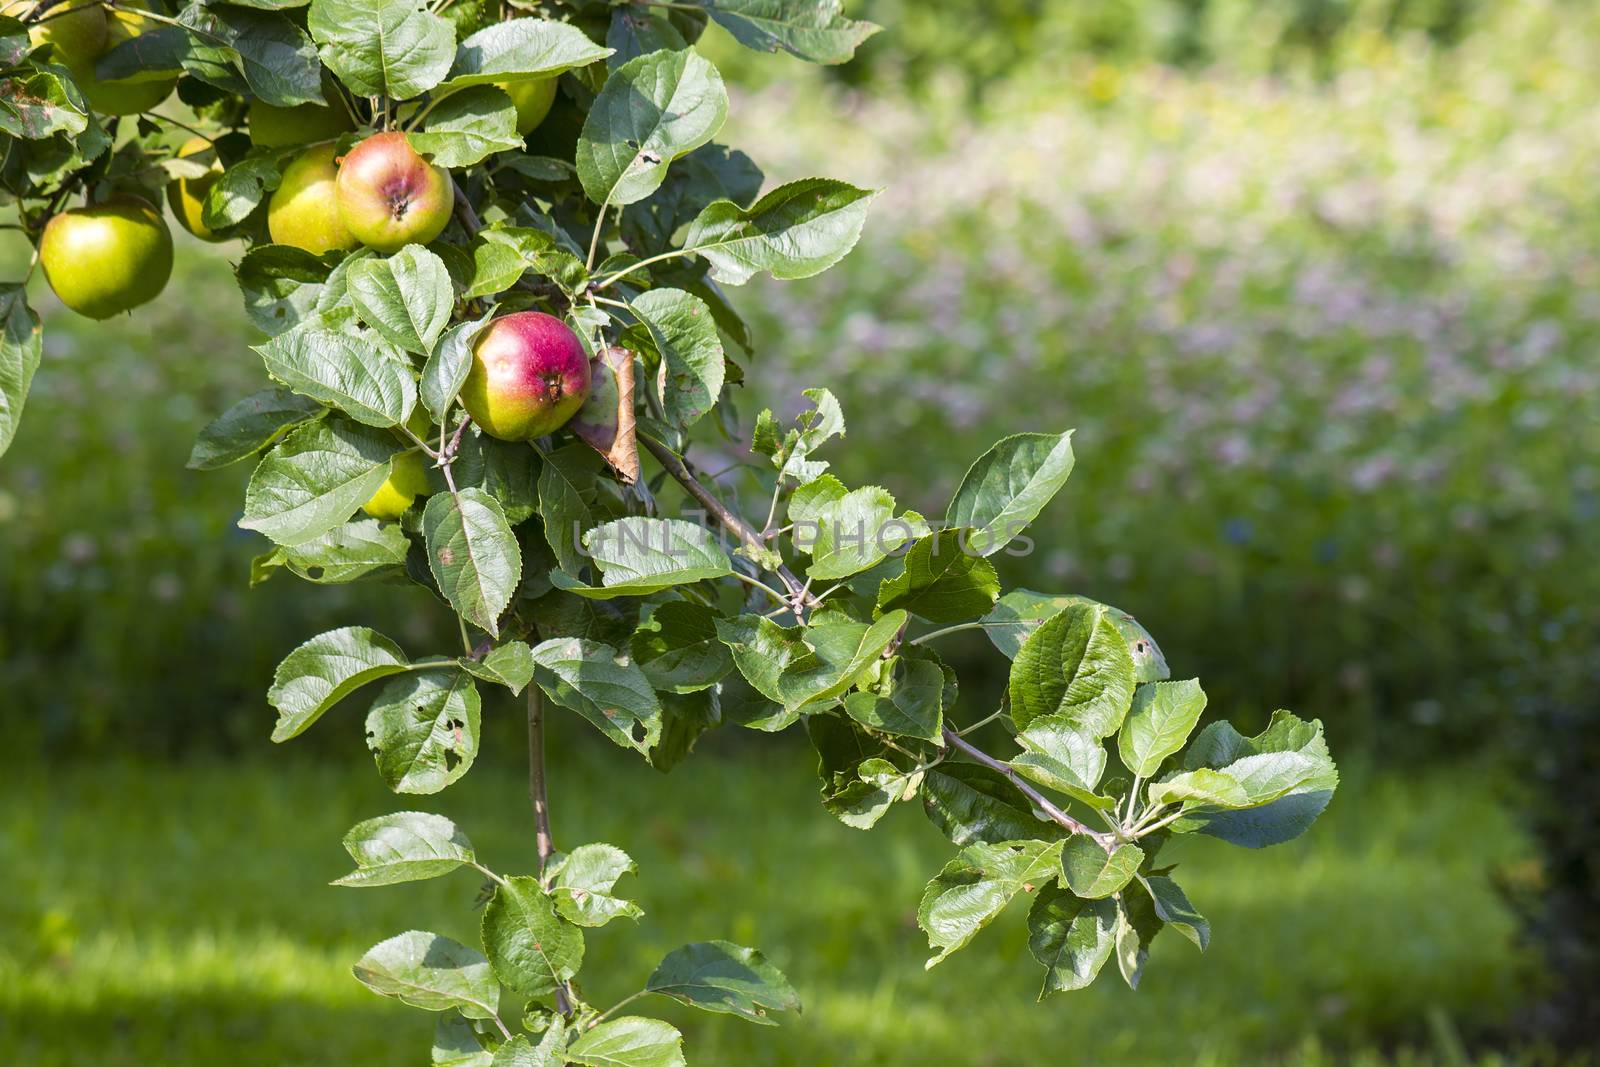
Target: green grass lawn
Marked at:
179, 914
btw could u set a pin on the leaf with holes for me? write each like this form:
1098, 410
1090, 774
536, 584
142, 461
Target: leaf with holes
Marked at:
608, 689
423, 730
582, 882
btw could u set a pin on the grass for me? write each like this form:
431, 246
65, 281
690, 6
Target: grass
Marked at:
179, 914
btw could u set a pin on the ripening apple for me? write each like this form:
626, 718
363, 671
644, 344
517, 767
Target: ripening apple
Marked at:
187, 196
107, 257
275, 127
529, 376
123, 96
532, 98
304, 209
389, 196
78, 33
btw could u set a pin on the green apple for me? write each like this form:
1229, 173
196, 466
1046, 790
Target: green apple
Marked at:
533, 99
408, 479
187, 196
304, 209
123, 96
274, 127
107, 257
78, 33
529, 375
389, 196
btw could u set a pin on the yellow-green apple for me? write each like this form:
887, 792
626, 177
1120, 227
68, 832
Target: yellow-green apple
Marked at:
187, 196
529, 376
304, 209
389, 196
533, 99
274, 127
78, 33
408, 479
107, 257
124, 96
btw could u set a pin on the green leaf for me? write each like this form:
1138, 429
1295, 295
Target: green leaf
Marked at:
1162, 716
21, 344
942, 582
636, 31
796, 231
326, 669
281, 285
241, 189
36, 103
1073, 938
510, 665
609, 690
679, 650
807, 668
520, 1052
1137, 926
423, 730
468, 127
565, 480
812, 30
1060, 756
408, 846
473, 555
1075, 666
1203, 788
971, 803
1286, 769
406, 297
849, 763
717, 976
638, 556
505, 470
651, 111
846, 532
369, 381
446, 370
250, 426
315, 478
628, 1042
1173, 907
430, 972
533, 951
685, 335
1021, 611
1093, 873
349, 552
456, 1044
581, 885
389, 48
519, 49
279, 61
1008, 486
909, 703
976, 885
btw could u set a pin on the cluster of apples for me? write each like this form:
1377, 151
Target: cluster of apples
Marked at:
530, 374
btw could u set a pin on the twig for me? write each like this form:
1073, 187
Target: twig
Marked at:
732, 522
463, 211
1040, 801
543, 841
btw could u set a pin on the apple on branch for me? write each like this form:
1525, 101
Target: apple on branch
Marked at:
529, 376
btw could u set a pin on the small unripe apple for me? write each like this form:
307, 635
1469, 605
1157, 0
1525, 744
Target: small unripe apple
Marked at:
78, 33
123, 96
187, 196
533, 99
389, 196
408, 479
274, 127
107, 257
529, 376
304, 209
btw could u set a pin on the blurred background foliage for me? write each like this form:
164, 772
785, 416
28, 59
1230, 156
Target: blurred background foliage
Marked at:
1317, 283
